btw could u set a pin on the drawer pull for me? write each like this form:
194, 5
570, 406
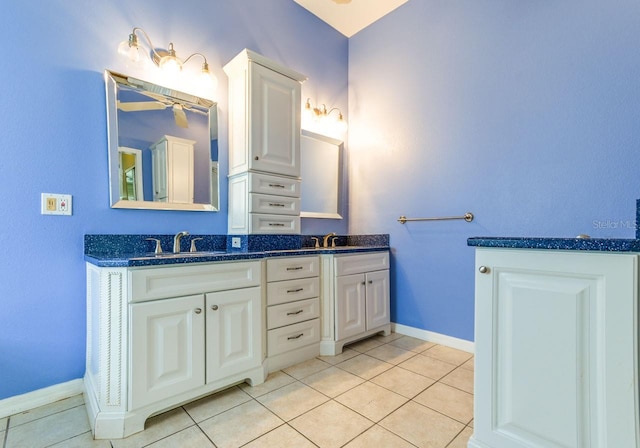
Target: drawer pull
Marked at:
198, 310
276, 186
276, 224
296, 337
293, 291
297, 268
214, 307
275, 204
294, 313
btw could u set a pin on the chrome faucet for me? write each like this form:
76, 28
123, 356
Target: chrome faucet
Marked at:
325, 239
176, 241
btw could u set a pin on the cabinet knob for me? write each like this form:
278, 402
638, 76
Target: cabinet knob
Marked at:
363, 283
198, 310
370, 281
214, 307
256, 158
483, 269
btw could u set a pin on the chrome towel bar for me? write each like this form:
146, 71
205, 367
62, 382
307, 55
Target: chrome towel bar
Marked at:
467, 217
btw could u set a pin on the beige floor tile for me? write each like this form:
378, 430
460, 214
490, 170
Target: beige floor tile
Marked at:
48, 430
293, 400
43, 411
331, 425
240, 425
449, 401
391, 354
448, 354
332, 381
365, 345
461, 440
376, 437
422, 426
471, 423
274, 381
306, 368
346, 354
389, 338
403, 382
470, 364
372, 401
84, 440
217, 403
461, 378
282, 437
413, 344
365, 366
429, 367
191, 437
157, 428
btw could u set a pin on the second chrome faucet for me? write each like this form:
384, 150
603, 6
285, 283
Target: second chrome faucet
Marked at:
176, 241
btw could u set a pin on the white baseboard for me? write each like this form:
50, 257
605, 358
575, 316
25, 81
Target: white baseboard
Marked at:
40, 397
437, 338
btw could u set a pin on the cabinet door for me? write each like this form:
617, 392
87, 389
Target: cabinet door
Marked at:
377, 294
234, 332
274, 122
179, 177
159, 173
350, 306
167, 348
555, 336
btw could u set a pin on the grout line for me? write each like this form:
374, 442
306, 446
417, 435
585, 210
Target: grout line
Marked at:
6, 432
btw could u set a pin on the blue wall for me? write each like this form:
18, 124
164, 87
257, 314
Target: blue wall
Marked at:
524, 113
53, 127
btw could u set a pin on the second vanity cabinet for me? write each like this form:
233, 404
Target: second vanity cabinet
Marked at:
556, 349
293, 310
355, 300
161, 336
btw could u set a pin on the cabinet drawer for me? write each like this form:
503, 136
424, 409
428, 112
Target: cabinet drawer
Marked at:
293, 336
289, 268
292, 313
359, 263
278, 224
275, 205
292, 290
280, 186
176, 281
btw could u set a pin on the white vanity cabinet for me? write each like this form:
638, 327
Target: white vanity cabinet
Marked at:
556, 349
172, 172
160, 336
264, 138
293, 310
355, 300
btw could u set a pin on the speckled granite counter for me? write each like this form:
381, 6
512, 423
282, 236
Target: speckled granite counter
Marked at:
136, 250
594, 244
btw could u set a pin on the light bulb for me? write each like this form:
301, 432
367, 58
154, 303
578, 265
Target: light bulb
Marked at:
170, 65
129, 50
208, 81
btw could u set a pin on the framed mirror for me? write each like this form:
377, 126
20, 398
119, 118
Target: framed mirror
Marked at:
163, 147
321, 160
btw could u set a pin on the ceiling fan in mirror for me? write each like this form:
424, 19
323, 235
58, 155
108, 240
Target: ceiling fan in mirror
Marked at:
160, 102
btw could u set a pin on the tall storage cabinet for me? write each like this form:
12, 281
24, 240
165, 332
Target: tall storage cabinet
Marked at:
173, 170
264, 138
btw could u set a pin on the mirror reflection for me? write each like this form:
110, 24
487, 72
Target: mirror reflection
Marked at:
321, 171
163, 147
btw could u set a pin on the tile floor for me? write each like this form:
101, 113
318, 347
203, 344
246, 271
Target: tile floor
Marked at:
393, 391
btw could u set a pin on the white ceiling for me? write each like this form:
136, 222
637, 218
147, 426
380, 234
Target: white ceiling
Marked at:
350, 16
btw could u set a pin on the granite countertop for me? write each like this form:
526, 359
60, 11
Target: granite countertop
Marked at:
593, 244
134, 250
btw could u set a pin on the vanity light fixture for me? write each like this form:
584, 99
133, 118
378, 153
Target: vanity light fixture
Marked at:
167, 60
322, 116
